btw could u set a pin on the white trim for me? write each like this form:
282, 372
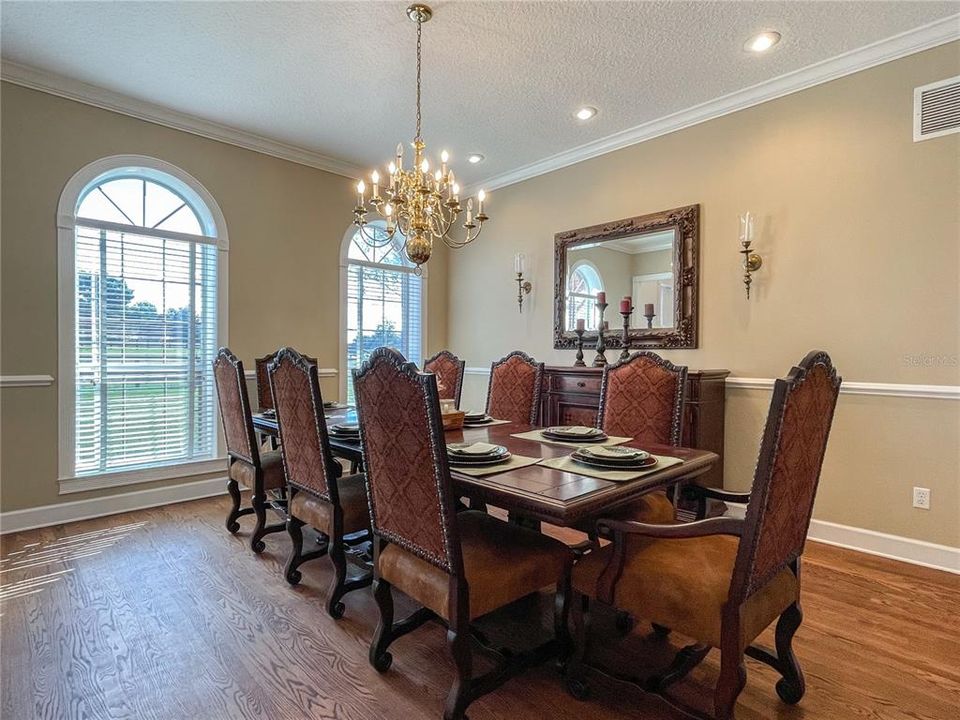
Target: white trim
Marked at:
871, 542
87, 94
26, 380
66, 512
918, 107
251, 375
66, 220
70, 485
922, 38
938, 392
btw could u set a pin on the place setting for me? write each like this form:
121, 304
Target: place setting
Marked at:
481, 458
607, 462
345, 431
575, 436
479, 418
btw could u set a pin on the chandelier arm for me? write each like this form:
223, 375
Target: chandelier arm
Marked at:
372, 239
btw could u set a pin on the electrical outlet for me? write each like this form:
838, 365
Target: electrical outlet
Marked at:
921, 498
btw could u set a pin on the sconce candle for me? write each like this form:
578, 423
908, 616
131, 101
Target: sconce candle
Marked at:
626, 305
648, 309
519, 261
523, 286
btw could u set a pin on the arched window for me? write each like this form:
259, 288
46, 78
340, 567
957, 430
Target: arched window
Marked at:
383, 301
142, 290
585, 283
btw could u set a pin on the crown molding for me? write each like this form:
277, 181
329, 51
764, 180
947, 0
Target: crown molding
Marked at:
53, 84
898, 46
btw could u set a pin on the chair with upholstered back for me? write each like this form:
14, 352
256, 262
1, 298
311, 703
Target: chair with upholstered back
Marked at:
247, 467
642, 397
449, 371
722, 581
264, 394
457, 566
319, 496
514, 390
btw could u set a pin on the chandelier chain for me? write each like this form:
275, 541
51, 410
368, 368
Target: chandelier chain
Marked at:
419, 31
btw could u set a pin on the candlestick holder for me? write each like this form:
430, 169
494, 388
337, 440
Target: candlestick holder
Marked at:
579, 362
650, 318
625, 353
523, 287
600, 360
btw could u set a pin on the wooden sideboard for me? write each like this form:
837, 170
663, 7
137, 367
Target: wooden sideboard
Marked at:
571, 396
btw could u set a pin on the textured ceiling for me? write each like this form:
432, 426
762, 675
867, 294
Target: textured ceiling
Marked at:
500, 78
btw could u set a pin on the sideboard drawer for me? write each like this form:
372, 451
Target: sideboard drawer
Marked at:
572, 383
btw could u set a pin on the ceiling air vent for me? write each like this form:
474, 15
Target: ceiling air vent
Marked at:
936, 109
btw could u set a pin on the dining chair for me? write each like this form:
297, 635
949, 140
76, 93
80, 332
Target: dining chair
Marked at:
319, 495
247, 466
514, 390
642, 397
722, 581
456, 566
449, 371
264, 394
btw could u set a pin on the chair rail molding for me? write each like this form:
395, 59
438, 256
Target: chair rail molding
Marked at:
937, 392
25, 380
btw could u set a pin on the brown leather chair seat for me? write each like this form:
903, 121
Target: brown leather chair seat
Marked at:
683, 584
272, 464
318, 513
502, 563
654, 508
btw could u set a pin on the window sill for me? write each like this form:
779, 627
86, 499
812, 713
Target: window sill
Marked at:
143, 475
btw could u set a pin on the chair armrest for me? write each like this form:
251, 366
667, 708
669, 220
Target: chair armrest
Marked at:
607, 582
700, 528
698, 491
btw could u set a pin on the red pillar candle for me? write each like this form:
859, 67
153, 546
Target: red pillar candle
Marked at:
648, 309
601, 297
581, 324
626, 305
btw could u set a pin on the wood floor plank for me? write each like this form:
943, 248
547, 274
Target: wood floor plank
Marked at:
163, 614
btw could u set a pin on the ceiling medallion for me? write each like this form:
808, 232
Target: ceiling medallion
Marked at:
421, 206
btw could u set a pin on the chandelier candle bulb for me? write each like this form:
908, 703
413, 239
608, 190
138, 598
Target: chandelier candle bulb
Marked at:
481, 196
360, 190
376, 184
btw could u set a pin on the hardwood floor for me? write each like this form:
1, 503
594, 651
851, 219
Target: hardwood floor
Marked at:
162, 614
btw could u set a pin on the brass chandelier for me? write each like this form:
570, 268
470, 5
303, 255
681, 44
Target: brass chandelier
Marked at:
423, 207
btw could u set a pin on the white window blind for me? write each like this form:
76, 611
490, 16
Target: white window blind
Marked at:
146, 330
384, 304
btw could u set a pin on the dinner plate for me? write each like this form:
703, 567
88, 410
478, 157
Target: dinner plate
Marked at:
568, 431
473, 415
467, 461
615, 465
575, 439
483, 420
616, 453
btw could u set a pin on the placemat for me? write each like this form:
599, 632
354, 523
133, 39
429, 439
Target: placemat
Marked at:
568, 465
538, 436
515, 462
486, 425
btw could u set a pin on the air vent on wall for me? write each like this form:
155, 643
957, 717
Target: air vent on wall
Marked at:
936, 109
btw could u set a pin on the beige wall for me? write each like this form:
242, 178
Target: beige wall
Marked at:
858, 228
285, 222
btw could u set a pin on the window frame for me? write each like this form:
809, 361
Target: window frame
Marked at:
345, 262
570, 294
214, 225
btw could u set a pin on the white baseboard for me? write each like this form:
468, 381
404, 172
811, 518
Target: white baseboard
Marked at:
59, 513
871, 542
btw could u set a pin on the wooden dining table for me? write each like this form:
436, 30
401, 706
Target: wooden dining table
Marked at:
537, 492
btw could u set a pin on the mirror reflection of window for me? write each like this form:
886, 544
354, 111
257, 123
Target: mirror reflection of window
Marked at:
585, 283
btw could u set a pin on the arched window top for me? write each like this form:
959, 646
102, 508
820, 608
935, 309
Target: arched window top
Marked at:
141, 192
390, 252
585, 279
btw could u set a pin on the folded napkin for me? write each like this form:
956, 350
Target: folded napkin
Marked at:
617, 453
577, 430
477, 448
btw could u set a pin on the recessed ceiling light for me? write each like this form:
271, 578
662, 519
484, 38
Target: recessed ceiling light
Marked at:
474, 158
585, 113
762, 42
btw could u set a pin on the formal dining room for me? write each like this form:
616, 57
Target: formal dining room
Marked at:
552, 359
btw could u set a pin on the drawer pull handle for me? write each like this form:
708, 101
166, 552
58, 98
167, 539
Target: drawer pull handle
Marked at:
581, 383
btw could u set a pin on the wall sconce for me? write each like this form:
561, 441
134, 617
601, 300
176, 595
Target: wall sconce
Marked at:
523, 286
751, 261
